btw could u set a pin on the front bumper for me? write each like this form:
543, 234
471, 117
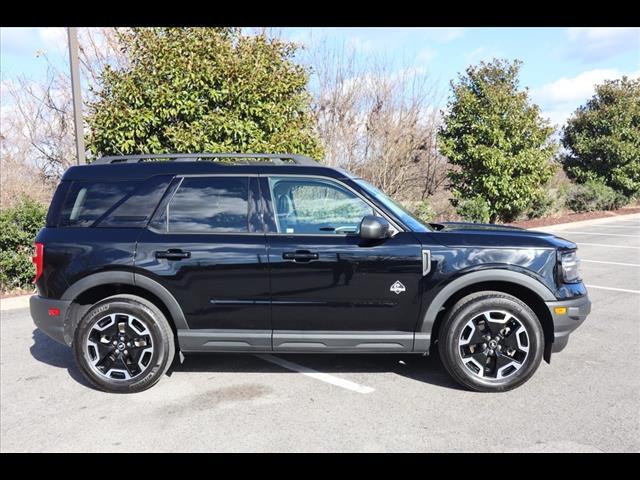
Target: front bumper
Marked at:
577, 310
52, 326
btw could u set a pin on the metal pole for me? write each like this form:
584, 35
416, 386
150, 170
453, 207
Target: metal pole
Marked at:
72, 33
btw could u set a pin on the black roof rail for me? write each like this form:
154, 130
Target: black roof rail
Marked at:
275, 158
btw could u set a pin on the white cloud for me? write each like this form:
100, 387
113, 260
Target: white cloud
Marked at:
598, 43
559, 99
18, 41
444, 34
426, 55
54, 38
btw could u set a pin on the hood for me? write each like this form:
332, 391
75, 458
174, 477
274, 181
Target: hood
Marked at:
466, 234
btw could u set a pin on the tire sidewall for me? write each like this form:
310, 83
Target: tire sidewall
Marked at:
152, 318
470, 310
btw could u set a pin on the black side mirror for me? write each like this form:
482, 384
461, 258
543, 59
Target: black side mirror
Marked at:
374, 228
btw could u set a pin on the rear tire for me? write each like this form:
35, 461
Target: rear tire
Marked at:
124, 344
491, 342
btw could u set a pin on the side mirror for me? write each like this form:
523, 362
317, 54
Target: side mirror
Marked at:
374, 228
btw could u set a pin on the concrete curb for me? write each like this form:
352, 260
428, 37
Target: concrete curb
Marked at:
584, 223
14, 303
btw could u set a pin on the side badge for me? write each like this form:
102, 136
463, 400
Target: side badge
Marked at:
397, 288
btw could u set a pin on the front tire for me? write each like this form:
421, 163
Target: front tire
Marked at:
491, 342
124, 344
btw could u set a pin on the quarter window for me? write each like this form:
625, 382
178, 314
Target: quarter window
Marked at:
316, 206
207, 205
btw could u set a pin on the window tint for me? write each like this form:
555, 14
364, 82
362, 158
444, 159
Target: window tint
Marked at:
316, 206
207, 205
86, 202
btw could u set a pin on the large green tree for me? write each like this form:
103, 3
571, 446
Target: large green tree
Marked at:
602, 138
202, 89
498, 143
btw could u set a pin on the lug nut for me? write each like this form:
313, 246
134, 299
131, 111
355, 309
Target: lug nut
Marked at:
115, 342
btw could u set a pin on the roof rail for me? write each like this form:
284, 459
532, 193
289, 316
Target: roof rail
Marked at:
275, 158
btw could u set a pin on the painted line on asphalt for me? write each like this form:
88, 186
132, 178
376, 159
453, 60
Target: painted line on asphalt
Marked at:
603, 245
612, 263
597, 287
323, 377
603, 234
604, 227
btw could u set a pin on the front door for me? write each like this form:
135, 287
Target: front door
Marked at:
206, 246
330, 290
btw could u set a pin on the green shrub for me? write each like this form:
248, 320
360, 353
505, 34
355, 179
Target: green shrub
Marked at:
18, 228
475, 209
592, 196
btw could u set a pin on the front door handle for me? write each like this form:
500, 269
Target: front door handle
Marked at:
172, 254
300, 256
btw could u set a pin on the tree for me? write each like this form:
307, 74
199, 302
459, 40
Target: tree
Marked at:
202, 89
602, 138
376, 119
497, 140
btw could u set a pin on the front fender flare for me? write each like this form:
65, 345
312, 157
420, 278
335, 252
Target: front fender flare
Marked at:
423, 333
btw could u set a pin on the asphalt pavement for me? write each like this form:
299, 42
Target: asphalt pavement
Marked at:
586, 400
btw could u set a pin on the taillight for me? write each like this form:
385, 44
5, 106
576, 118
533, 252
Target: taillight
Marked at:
38, 259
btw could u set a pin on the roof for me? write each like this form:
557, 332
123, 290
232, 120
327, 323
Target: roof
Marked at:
138, 166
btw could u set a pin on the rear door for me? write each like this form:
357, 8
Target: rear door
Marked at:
206, 245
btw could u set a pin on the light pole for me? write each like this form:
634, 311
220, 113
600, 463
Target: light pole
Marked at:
72, 33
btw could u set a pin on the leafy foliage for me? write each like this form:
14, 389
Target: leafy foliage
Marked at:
594, 195
18, 228
202, 89
498, 141
603, 138
475, 209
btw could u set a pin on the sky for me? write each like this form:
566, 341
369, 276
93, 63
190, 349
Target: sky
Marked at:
560, 65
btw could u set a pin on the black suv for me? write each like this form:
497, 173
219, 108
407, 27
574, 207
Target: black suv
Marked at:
145, 255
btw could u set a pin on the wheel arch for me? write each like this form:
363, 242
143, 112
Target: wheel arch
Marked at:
97, 286
521, 286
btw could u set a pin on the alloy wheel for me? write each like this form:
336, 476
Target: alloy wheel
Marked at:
494, 344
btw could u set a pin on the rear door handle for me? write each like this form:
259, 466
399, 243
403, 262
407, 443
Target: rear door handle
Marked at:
172, 254
300, 256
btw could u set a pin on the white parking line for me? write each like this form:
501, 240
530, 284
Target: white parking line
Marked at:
603, 234
605, 226
323, 377
612, 263
597, 287
603, 245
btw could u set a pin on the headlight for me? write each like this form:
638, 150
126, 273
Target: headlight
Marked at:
570, 267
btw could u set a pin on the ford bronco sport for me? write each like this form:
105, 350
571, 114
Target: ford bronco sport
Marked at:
145, 255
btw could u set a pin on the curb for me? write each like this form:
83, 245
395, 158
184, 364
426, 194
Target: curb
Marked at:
584, 223
14, 303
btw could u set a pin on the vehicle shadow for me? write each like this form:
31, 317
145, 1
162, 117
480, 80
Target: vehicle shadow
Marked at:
52, 353
415, 367
427, 370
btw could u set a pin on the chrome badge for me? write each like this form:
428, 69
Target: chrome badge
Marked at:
397, 288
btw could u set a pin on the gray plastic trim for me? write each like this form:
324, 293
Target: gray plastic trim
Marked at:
224, 340
347, 342
128, 278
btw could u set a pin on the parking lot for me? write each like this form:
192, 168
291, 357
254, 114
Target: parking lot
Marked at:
587, 400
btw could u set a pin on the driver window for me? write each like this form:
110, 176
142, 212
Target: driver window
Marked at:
316, 206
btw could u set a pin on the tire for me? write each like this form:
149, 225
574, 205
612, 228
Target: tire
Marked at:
124, 344
505, 360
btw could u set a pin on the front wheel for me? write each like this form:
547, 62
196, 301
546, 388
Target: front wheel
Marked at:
124, 344
491, 342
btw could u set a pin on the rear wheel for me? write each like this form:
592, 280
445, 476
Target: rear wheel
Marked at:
124, 344
491, 341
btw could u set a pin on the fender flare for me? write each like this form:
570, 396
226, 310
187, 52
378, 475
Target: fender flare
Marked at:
491, 275
128, 278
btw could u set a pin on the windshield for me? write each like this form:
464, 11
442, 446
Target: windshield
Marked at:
398, 210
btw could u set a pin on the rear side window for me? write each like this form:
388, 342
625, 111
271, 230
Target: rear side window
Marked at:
207, 205
87, 202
